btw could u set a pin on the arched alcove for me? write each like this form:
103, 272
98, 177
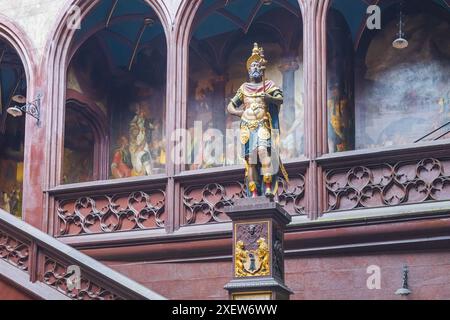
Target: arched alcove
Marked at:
13, 89
379, 95
222, 39
118, 62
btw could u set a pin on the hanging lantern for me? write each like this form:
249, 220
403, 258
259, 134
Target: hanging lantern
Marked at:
400, 42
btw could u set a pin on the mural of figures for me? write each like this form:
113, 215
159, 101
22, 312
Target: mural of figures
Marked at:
140, 146
140, 135
403, 94
116, 80
340, 74
11, 180
78, 149
12, 131
11, 192
121, 162
340, 121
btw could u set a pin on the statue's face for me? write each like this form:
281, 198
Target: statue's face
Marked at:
255, 71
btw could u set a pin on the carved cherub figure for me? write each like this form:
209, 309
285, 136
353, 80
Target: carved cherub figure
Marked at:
263, 255
240, 258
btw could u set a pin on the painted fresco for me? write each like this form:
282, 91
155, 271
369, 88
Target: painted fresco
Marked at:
138, 119
129, 104
340, 86
401, 95
11, 167
12, 131
78, 149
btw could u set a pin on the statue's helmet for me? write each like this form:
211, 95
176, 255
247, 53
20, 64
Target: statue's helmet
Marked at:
257, 56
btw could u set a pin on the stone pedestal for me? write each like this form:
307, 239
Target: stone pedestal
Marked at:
258, 250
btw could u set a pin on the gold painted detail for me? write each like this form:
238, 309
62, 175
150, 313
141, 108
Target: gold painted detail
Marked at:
264, 133
245, 134
257, 56
267, 178
252, 263
247, 126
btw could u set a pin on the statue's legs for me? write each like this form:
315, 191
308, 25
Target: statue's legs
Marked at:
266, 171
253, 180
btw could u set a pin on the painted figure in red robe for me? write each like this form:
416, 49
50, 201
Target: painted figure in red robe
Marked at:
121, 164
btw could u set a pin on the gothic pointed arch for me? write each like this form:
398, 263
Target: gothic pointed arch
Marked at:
219, 40
17, 78
118, 56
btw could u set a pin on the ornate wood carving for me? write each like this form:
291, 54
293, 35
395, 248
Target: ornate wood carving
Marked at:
292, 195
205, 204
388, 184
277, 258
56, 275
14, 251
103, 214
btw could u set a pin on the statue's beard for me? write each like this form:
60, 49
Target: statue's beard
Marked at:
255, 74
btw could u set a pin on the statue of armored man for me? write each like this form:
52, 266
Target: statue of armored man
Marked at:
258, 103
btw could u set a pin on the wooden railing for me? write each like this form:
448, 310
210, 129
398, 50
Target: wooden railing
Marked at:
48, 269
360, 179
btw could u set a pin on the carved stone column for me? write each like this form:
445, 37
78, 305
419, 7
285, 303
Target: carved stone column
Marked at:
258, 250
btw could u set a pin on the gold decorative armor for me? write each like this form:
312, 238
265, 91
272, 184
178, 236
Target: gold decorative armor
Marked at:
262, 125
245, 134
248, 126
264, 133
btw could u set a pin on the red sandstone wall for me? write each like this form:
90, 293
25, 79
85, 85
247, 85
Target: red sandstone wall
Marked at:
327, 277
9, 292
199, 280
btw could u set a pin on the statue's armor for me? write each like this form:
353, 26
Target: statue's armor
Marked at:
255, 121
255, 118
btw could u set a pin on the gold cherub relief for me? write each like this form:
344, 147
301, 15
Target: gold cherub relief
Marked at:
252, 263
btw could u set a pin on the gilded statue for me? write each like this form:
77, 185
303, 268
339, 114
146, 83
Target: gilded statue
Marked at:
240, 258
258, 103
263, 256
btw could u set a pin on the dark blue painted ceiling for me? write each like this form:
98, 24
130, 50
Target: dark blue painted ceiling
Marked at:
233, 15
354, 11
12, 75
121, 35
8, 80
